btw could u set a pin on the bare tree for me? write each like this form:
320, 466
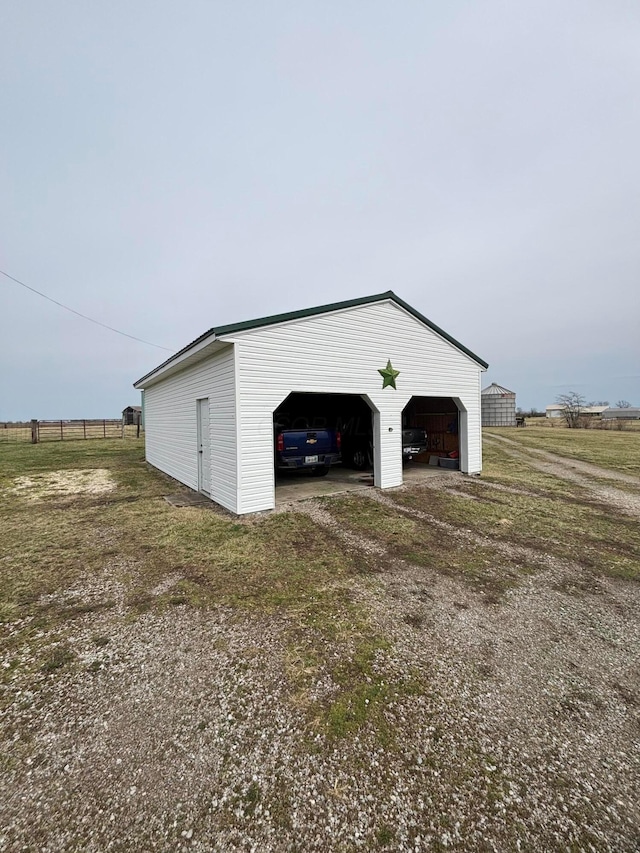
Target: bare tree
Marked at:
572, 405
623, 404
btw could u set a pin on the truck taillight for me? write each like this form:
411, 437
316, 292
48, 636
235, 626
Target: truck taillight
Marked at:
338, 440
280, 443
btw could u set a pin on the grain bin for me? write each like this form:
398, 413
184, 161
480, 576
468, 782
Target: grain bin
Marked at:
498, 406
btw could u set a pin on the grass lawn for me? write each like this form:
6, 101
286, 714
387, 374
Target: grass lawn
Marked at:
435, 674
541, 512
617, 450
55, 542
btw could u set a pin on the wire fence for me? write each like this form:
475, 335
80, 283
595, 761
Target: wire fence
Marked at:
70, 430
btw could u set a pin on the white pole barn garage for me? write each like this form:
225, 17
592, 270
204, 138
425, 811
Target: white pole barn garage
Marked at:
209, 409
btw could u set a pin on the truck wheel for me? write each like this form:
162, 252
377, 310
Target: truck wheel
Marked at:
359, 460
321, 472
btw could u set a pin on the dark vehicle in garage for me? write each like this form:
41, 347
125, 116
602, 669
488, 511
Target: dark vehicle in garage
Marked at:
345, 414
351, 417
357, 450
314, 450
414, 442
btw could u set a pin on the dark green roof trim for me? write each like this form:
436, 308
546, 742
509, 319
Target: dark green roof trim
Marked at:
339, 306
300, 315
246, 325
391, 295
174, 356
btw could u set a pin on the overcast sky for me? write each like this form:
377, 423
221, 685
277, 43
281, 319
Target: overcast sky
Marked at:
167, 167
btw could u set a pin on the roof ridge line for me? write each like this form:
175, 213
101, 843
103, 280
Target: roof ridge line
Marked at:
301, 314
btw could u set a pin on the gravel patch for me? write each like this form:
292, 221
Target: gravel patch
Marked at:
494, 727
551, 686
185, 737
92, 481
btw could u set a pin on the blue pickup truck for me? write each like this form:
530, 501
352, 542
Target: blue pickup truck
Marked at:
313, 450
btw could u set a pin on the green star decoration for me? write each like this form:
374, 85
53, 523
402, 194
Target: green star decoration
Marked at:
389, 376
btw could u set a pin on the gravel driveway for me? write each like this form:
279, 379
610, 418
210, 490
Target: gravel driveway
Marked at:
506, 726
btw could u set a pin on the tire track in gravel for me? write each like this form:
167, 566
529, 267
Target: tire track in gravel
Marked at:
469, 537
542, 680
454, 485
585, 467
353, 540
540, 559
580, 473
522, 677
546, 680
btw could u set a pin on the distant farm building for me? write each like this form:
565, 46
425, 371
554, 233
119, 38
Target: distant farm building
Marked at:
498, 406
132, 415
556, 410
631, 413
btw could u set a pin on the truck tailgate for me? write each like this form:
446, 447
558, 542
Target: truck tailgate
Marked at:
307, 442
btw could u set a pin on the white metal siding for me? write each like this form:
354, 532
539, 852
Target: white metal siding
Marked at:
341, 352
171, 425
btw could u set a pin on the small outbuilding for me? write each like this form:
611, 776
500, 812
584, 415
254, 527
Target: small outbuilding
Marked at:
210, 408
498, 406
132, 415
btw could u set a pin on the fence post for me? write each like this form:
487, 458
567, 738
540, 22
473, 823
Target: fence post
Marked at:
104, 429
84, 428
61, 432
34, 431
138, 430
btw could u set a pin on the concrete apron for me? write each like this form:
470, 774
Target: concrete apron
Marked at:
300, 487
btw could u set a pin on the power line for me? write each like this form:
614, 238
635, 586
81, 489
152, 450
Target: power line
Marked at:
84, 316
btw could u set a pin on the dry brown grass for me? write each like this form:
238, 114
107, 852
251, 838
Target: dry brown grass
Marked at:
618, 451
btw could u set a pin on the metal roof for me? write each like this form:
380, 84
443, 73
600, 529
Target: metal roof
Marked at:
586, 410
497, 390
617, 412
246, 325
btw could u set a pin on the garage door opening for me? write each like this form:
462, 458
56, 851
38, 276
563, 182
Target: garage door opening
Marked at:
328, 436
439, 418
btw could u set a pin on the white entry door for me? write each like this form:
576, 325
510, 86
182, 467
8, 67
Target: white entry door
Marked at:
204, 447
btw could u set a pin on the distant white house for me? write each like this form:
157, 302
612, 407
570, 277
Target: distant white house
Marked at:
556, 410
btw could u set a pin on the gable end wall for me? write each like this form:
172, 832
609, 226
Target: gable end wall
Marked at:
341, 352
171, 425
